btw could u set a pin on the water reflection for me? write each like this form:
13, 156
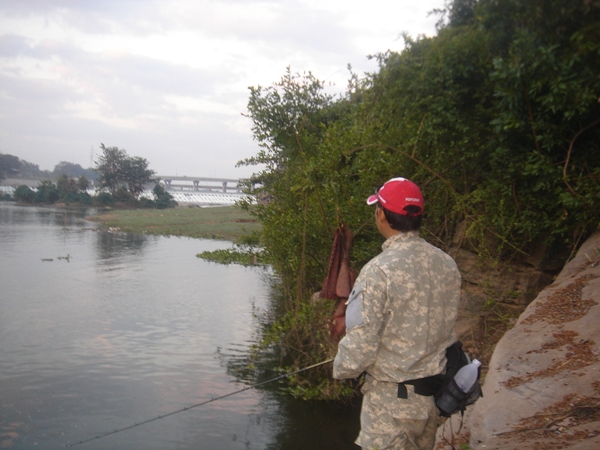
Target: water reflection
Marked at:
58, 217
114, 244
297, 424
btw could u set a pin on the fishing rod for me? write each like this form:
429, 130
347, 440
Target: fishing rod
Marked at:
187, 408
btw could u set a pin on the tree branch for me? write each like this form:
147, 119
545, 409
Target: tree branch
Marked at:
570, 151
425, 166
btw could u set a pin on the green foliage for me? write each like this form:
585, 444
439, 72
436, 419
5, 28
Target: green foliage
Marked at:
547, 125
47, 193
71, 191
83, 183
24, 194
136, 173
66, 190
244, 257
103, 199
73, 171
110, 167
122, 175
497, 119
66, 185
9, 165
162, 199
305, 331
13, 167
246, 252
123, 196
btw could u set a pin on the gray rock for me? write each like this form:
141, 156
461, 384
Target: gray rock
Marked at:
542, 389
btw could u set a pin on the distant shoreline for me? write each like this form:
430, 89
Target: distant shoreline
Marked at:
219, 222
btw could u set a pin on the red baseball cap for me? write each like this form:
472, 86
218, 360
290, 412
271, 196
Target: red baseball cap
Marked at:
396, 194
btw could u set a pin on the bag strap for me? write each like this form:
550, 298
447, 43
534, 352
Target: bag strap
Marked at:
426, 387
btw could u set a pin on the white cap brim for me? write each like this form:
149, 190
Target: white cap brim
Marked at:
372, 200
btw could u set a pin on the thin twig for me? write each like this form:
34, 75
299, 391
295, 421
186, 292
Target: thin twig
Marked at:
571, 145
422, 164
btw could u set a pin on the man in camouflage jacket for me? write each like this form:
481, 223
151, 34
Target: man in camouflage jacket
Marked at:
399, 322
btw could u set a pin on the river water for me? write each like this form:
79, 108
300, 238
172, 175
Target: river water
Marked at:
100, 331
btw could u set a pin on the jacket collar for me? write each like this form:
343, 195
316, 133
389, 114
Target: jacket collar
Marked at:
399, 238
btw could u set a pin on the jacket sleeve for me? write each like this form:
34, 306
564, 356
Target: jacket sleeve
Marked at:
358, 348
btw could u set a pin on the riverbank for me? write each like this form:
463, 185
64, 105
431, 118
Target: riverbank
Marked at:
223, 222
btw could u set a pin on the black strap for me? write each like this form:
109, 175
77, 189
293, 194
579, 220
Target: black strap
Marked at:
427, 386
402, 392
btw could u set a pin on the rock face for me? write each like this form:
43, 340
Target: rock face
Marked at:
542, 388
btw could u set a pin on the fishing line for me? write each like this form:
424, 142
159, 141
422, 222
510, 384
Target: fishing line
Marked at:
187, 408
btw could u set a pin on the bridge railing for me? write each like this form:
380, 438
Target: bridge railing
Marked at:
199, 184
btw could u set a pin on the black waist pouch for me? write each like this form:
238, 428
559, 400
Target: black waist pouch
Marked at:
448, 396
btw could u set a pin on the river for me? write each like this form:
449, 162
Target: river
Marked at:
100, 331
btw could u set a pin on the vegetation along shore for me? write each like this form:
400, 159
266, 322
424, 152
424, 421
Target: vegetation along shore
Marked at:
226, 222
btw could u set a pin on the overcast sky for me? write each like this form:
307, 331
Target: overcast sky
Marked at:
168, 80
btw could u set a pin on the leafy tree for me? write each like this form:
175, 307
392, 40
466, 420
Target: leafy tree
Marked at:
15, 167
162, 199
47, 193
66, 186
24, 194
73, 171
136, 174
103, 199
72, 191
122, 195
544, 150
461, 12
83, 183
110, 167
118, 170
288, 119
9, 165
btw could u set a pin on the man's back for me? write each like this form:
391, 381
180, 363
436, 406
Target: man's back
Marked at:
422, 286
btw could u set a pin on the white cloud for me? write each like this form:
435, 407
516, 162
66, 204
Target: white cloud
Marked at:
168, 80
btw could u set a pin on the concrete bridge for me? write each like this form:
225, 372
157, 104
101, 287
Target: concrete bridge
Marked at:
199, 184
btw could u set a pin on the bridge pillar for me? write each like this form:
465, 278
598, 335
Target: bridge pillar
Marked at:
225, 187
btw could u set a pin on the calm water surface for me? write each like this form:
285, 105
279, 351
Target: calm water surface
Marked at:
102, 330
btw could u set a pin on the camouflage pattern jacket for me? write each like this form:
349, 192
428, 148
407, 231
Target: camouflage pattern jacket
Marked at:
400, 313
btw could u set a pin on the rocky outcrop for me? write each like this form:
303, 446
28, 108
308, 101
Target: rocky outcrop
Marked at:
542, 387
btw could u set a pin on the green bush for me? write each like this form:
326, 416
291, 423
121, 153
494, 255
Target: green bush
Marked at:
497, 119
81, 198
24, 194
47, 193
103, 199
162, 199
